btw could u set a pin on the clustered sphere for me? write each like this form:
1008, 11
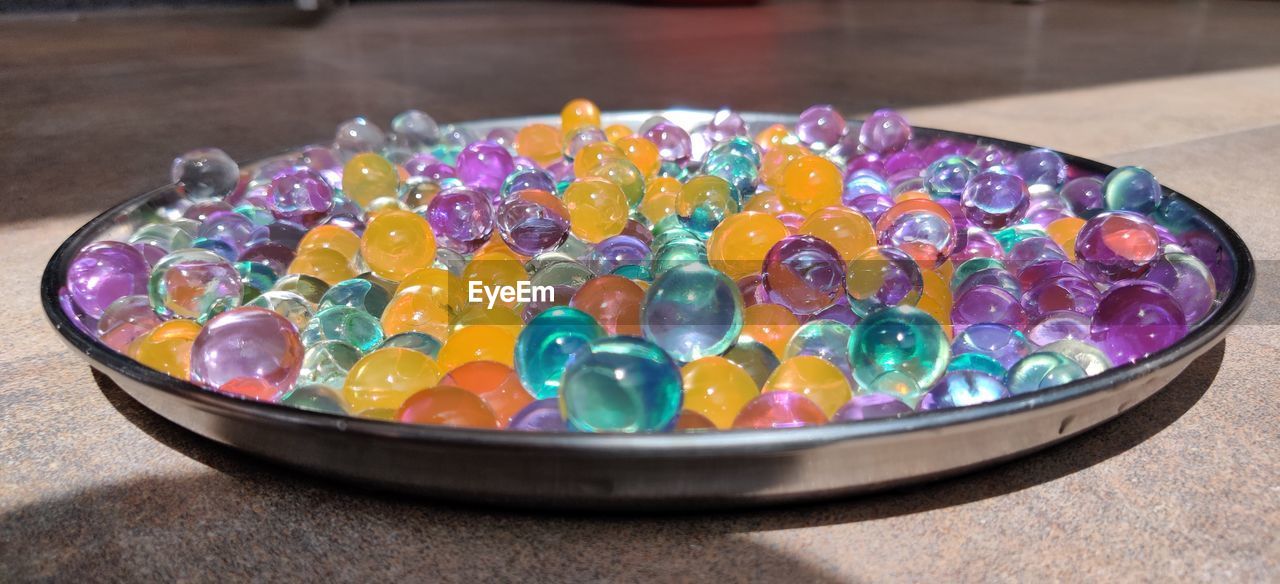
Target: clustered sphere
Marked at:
678, 279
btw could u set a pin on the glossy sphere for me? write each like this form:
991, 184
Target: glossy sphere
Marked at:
871, 406
753, 357
533, 222
315, 398
717, 389
128, 318
1135, 319
420, 342
673, 142
105, 271
900, 351
1060, 293
167, 348
804, 274
546, 345
539, 142
845, 229
484, 165
824, 338
614, 302
642, 153
356, 293
820, 127
621, 384
692, 311
327, 363
578, 113
346, 324
367, 177
309, 288
779, 409
623, 173
331, 237
1003, 343
423, 308
1058, 325
461, 219
987, 304
659, 200
1085, 354
300, 195
326, 265
540, 416
884, 131
1083, 196
1131, 188
770, 324
398, 243
705, 201
1185, 277
597, 209
496, 384
882, 277
1064, 232
385, 378
592, 155
1042, 371
810, 183
813, 377
247, 342
481, 342
194, 284
444, 405
963, 388
738, 243
251, 388
207, 173
1117, 245
994, 200
1041, 167
947, 177
920, 227
493, 269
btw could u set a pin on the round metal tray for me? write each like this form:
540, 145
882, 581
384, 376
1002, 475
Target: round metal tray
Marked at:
629, 472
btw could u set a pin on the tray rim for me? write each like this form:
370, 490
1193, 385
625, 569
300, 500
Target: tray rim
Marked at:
710, 444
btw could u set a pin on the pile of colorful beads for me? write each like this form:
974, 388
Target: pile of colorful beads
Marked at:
661, 278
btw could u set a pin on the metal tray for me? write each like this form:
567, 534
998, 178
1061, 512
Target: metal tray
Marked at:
655, 471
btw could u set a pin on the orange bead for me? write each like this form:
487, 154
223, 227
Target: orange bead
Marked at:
617, 132
419, 310
641, 153
615, 303
480, 342
765, 202
738, 244
323, 263
368, 176
332, 237
539, 142
911, 196
771, 325
717, 388
495, 383
659, 200
444, 405
398, 243
578, 113
814, 378
776, 160
252, 388
167, 348
775, 135
810, 183
1064, 231
845, 229
691, 421
384, 378
593, 155
493, 270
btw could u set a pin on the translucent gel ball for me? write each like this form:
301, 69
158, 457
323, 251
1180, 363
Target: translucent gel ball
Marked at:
416, 129
167, 347
597, 209
1058, 294
804, 274
621, 384
1186, 278
315, 398
947, 177
346, 324
994, 200
705, 201
900, 351
617, 251
922, 228
717, 389
1084, 353
884, 131
103, 272
963, 388
863, 183
813, 377
533, 222
823, 338
444, 405
871, 406
1059, 325
987, 304
327, 363
1083, 196
738, 243
494, 383
385, 378
523, 179
358, 135
1131, 188
1135, 319
978, 362
247, 342
207, 173
673, 142
882, 277
779, 409
126, 319
758, 360
810, 183
397, 243
1042, 371
359, 294
692, 311
845, 229
540, 416
1117, 245
820, 127
546, 345
301, 195
1001, 342
309, 288
461, 219
614, 302
478, 342
367, 177
194, 284
1041, 167
484, 165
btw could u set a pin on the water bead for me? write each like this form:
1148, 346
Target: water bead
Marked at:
300, 195
484, 165
770, 324
617, 251
206, 173
251, 388
884, 131
104, 271
597, 209
420, 342
309, 288
546, 345
1135, 319
779, 409
614, 302
737, 244
978, 362
717, 389
899, 350
494, 383
985, 303
758, 360
804, 274
1117, 245
621, 384
368, 176
478, 343
255, 278
356, 293
947, 177
774, 135
738, 146
523, 179
871, 406
1042, 371
397, 243
823, 338
994, 200
820, 127
810, 183
326, 265
444, 405
415, 129
847, 230
882, 277
1087, 356
692, 311
126, 319
673, 142
461, 219
1001, 342
273, 255
705, 201
327, 363
775, 162
344, 323
358, 135
963, 388
539, 416
1041, 168
1060, 293
247, 342
1059, 325
921, 227
533, 222
871, 206
385, 378
737, 170
1187, 279
1131, 188
194, 284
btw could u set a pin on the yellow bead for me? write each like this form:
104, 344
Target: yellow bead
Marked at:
539, 142
439, 283
814, 378
621, 172
738, 244
617, 132
492, 270
936, 286
765, 201
775, 135
710, 193
597, 208
593, 155
167, 348
386, 377
659, 200
368, 176
641, 153
419, 310
331, 237
940, 310
1064, 231
717, 388
479, 342
772, 325
324, 263
398, 243
578, 113
481, 315
845, 229
810, 183
776, 160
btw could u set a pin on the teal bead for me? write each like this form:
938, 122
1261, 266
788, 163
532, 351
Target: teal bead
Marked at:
621, 384
634, 272
1041, 371
679, 254
828, 339
1092, 359
736, 146
359, 293
1010, 236
546, 345
692, 311
739, 171
194, 284
327, 363
316, 398
754, 357
971, 267
256, 277
420, 342
344, 323
978, 362
901, 350
1132, 188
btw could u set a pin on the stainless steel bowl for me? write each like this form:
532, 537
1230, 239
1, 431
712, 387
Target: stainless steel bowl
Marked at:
628, 472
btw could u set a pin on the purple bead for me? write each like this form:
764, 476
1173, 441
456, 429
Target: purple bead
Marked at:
540, 416
820, 127
417, 165
526, 179
85, 323
1083, 196
616, 251
231, 228
300, 195
1117, 245
943, 147
201, 210
484, 165
978, 243
840, 312
884, 131
803, 273
638, 230
1135, 319
581, 138
561, 170
247, 342
1076, 294
1058, 325
271, 254
752, 290
151, 251
871, 161
286, 233
963, 388
461, 218
104, 271
726, 124
1188, 280
905, 163
1041, 167
524, 162
325, 161
871, 406
990, 156
438, 172
1001, 342
1033, 250
993, 276
533, 222
872, 206
984, 303
1047, 269
674, 144
504, 137
994, 200
128, 318
1206, 245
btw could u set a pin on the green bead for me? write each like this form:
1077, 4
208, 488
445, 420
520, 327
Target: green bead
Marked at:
978, 362
1010, 236
621, 384
1041, 371
327, 363
420, 342
901, 351
343, 323
316, 398
357, 293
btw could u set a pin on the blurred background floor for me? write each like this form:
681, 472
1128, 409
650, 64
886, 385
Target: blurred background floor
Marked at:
93, 106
